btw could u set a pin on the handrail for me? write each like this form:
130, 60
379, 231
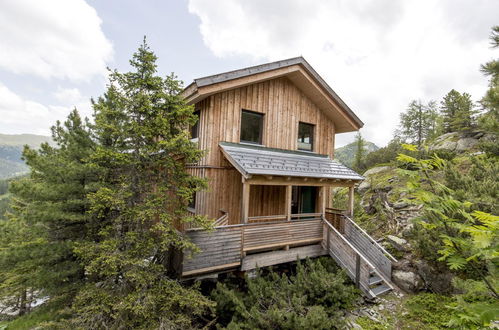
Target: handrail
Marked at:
349, 244
387, 281
257, 224
371, 239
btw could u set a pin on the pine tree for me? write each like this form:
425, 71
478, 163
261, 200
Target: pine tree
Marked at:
489, 121
49, 216
419, 122
360, 150
458, 111
143, 147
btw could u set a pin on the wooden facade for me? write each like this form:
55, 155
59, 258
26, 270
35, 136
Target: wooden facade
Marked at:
257, 193
284, 106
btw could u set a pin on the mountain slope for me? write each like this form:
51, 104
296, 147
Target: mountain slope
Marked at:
346, 154
11, 148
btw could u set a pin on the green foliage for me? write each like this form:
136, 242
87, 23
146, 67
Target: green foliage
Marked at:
48, 217
428, 310
466, 240
475, 179
419, 122
93, 226
346, 154
457, 111
489, 120
143, 191
314, 297
359, 151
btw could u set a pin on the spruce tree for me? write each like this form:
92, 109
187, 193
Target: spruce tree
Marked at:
489, 121
143, 147
49, 216
458, 111
360, 150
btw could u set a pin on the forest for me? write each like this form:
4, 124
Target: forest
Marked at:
86, 237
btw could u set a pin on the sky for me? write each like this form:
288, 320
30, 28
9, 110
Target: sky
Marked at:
377, 55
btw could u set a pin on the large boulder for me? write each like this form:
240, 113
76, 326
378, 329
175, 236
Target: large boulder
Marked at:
446, 141
376, 170
466, 144
407, 281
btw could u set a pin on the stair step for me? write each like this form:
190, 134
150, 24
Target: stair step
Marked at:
379, 290
375, 279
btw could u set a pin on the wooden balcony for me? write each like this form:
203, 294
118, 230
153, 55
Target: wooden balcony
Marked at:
271, 240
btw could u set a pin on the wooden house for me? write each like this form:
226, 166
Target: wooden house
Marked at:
269, 134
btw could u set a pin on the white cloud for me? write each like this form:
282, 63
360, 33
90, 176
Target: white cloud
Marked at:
68, 95
378, 55
52, 39
20, 115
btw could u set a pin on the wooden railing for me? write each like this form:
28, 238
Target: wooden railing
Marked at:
347, 256
266, 218
371, 249
224, 247
281, 234
282, 217
334, 217
223, 220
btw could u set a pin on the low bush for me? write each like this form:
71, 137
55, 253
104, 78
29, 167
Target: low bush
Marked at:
315, 296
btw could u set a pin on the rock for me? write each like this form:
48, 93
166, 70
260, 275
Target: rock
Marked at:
363, 187
376, 170
403, 265
407, 231
466, 144
445, 141
407, 281
398, 243
400, 205
438, 280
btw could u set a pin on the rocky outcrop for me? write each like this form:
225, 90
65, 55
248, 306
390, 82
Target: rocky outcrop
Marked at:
459, 142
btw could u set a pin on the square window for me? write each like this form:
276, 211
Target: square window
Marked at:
251, 127
305, 136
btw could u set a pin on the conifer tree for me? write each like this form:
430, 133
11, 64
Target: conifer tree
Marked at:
458, 111
360, 150
143, 147
419, 122
489, 121
49, 216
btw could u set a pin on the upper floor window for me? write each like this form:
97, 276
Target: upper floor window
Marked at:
195, 127
251, 127
305, 136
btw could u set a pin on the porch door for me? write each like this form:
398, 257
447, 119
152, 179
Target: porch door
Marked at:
303, 199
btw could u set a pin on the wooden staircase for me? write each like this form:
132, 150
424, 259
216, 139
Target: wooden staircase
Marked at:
367, 263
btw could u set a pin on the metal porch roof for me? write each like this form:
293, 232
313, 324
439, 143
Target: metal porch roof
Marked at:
258, 160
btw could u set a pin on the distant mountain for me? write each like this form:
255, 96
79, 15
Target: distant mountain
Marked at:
11, 148
346, 154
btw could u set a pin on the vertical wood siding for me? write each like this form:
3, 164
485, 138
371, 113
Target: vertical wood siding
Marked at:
284, 106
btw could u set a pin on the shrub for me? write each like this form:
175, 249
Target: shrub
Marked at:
313, 297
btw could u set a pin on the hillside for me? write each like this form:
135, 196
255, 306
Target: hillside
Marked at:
11, 147
346, 154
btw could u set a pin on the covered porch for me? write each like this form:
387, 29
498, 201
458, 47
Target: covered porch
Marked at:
281, 185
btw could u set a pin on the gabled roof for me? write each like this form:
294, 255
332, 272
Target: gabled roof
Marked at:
256, 160
298, 70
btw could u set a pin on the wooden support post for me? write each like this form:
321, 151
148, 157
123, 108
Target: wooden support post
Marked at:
357, 270
350, 201
289, 195
322, 200
245, 202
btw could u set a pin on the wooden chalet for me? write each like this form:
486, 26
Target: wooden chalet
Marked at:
269, 134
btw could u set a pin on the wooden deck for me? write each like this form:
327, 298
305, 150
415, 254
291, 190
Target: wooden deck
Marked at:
274, 240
